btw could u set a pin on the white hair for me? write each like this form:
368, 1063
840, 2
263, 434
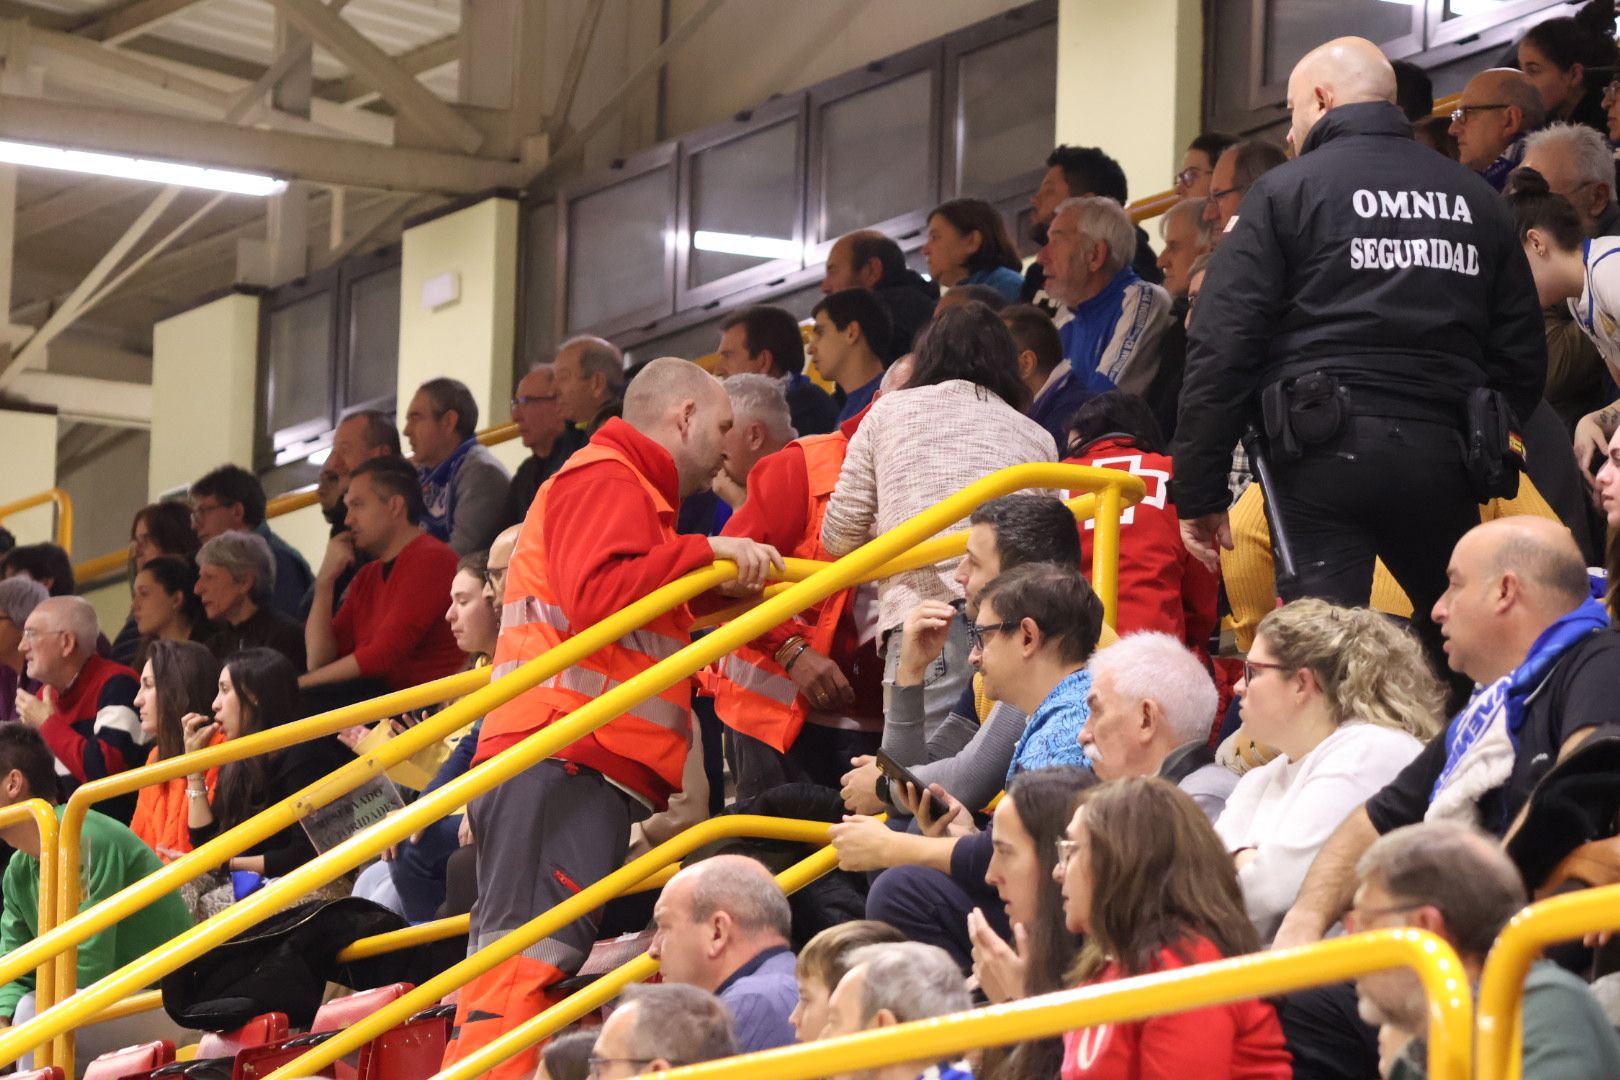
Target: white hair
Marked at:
912, 980
1154, 666
1105, 221
1588, 152
74, 615
762, 398
1193, 208
239, 554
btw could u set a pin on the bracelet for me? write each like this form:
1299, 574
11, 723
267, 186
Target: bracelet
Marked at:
803, 648
796, 639
196, 793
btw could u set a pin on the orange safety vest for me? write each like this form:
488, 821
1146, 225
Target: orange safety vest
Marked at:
753, 693
655, 734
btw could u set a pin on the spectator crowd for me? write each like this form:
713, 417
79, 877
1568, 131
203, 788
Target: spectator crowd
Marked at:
1352, 680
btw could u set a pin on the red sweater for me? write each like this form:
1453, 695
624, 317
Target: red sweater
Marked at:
94, 730
394, 624
1240, 1041
605, 549
1161, 586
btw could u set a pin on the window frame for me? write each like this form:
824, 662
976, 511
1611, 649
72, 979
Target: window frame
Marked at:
1440, 32
789, 109
1263, 94
1007, 25
622, 171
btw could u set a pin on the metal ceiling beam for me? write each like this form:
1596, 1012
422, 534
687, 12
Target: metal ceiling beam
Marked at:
586, 34
279, 153
360, 54
91, 401
357, 89
69, 204
130, 20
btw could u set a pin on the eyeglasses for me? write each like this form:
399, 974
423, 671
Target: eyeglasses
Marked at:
978, 632
198, 510
597, 1064
1361, 917
1224, 192
31, 633
1461, 114
1251, 667
1067, 850
533, 399
1189, 176
495, 577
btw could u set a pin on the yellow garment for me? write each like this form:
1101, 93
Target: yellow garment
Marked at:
1251, 582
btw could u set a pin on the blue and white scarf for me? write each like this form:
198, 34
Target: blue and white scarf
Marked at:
1483, 741
1052, 732
439, 491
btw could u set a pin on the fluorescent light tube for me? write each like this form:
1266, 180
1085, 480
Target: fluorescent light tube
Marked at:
758, 247
130, 168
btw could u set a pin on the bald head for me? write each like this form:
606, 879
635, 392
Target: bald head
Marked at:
1496, 107
59, 636
1508, 581
859, 260
685, 410
1345, 71
500, 549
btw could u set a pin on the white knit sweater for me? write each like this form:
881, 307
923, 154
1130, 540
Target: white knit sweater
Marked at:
914, 448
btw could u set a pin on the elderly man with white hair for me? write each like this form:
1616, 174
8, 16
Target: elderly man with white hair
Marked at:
86, 709
1152, 705
761, 424
1119, 319
1578, 164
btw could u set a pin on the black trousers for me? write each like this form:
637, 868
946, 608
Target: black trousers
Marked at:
1391, 489
931, 907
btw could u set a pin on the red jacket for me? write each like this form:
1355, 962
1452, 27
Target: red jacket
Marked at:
93, 729
1240, 1041
601, 544
394, 625
1161, 586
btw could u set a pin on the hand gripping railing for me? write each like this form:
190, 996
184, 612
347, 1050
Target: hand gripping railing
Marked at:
601, 991
64, 513
1136, 999
1500, 1046
547, 923
43, 815
1112, 486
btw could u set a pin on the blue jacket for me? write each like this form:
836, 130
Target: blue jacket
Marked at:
1007, 282
1056, 407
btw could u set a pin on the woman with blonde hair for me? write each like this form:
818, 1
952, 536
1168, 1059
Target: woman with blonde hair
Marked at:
1347, 698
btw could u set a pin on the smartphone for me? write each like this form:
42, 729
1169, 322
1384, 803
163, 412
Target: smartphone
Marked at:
899, 774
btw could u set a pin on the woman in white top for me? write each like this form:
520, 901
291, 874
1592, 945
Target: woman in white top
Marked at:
1345, 695
958, 419
1585, 274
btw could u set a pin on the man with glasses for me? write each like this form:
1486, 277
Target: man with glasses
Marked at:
1494, 113
231, 498
359, 436
662, 1026
544, 431
1236, 170
86, 711
1456, 882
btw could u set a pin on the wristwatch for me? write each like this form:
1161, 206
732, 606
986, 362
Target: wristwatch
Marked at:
882, 789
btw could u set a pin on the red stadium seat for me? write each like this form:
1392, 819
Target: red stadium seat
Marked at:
262, 1029
49, 1072
130, 1061
255, 1062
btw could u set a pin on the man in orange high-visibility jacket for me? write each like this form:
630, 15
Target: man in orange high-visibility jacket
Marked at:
599, 535
805, 697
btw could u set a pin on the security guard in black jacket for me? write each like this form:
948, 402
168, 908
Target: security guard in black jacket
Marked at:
1370, 309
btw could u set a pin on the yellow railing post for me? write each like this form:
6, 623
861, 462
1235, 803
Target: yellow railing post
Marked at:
1129, 1000
536, 748
63, 530
601, 991
1501, 984
547, 923
43, 815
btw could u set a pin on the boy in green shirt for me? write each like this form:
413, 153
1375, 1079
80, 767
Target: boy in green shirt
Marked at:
110, 859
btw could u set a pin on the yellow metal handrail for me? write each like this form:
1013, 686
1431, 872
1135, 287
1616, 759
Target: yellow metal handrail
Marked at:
1113, 486
68, 886
601, 990
64, 513
547, 923
43, 814
1501, 985
1131, 1000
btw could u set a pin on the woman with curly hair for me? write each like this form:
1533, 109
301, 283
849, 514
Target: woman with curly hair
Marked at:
1347, 699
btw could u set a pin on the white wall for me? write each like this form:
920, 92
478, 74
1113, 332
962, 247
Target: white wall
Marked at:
204, 379
28, 447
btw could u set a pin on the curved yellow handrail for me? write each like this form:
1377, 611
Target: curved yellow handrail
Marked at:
544, 925
64, 513
1141, 998
601, 990
1113, 487
1501, 984
43, 815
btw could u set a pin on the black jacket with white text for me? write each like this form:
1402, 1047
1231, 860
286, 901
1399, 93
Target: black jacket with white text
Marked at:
1370, 257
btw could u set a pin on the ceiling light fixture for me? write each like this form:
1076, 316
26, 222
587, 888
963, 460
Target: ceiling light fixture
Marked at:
131, 168
757, 247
